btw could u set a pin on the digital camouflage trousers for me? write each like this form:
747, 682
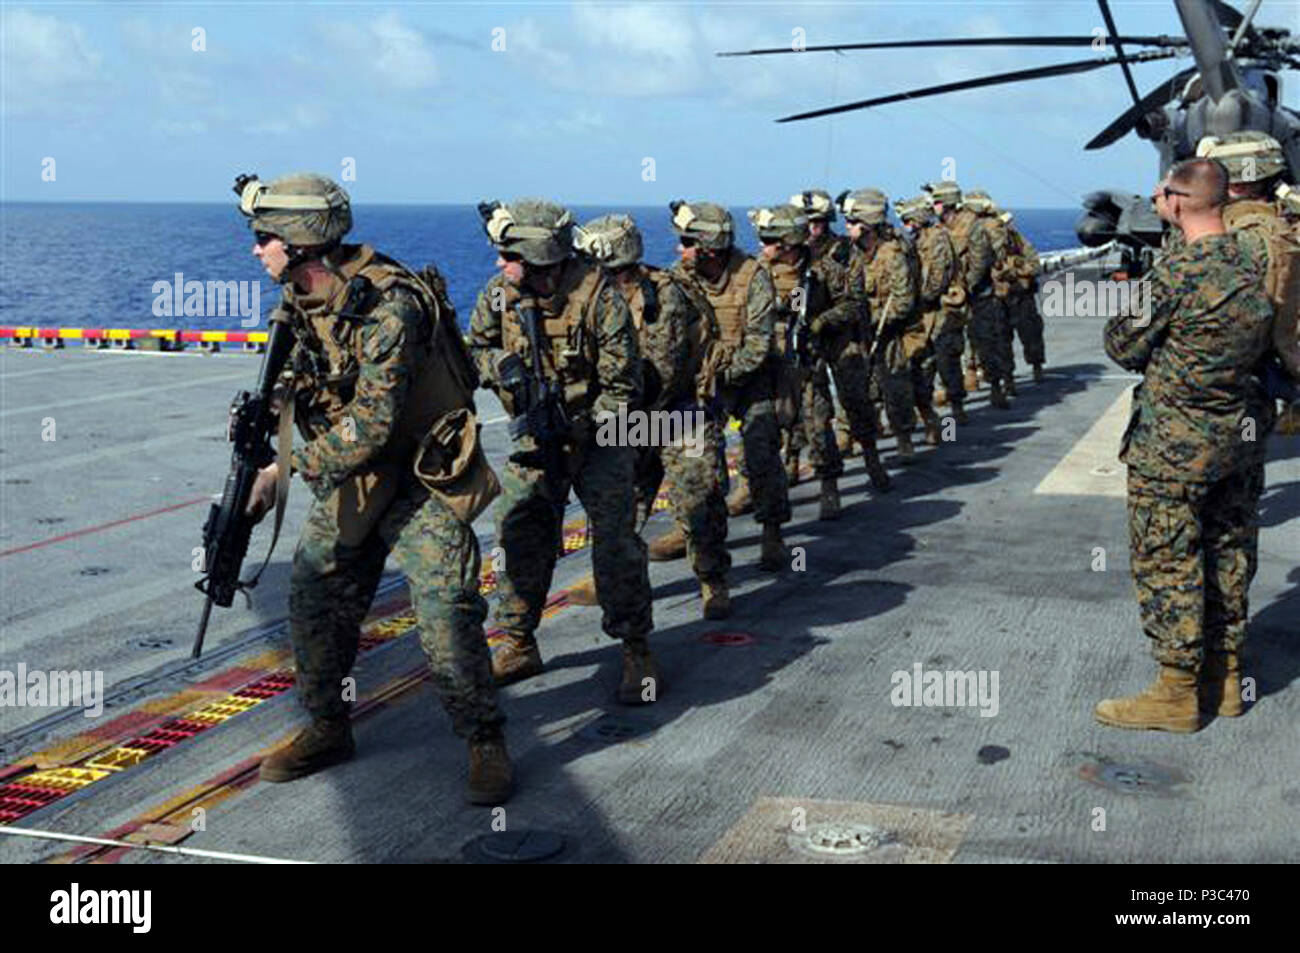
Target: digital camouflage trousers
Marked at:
753, 404
988, 332
332, 586
697, 495
1194, 551
530, 527
808, 410
1023, 319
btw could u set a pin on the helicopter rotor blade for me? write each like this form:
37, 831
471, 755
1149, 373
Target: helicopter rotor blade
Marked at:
1040, 72
1152, 101
1163, 42
1113, 35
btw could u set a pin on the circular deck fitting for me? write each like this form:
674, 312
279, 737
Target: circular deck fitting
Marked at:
842, 841
613, 730
515, 847
1133, 778
728, 638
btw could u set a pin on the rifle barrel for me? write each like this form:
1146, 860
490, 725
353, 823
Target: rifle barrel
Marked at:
203, 628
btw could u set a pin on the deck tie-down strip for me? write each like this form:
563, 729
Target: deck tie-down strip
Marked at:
27, 792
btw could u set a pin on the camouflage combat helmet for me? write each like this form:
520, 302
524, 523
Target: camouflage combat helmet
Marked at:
978, 201
916, 209
786, 224
945, 191
538, 231
1249, 156
612, 240
710, 225
866, 206
816, 204
302, 209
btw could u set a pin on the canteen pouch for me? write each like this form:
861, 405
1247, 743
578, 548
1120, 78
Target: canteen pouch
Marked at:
451, 464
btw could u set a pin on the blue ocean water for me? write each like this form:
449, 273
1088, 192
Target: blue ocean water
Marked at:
95, 265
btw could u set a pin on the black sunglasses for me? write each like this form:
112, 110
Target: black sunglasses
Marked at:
510, 257
686, 241
264, 238
769, 240
1167, 191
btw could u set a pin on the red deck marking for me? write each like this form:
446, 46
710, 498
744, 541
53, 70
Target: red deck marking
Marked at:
131, 722
229, 680
103, 526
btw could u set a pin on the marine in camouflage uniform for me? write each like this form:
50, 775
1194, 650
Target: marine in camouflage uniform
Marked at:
1255, 165
373, 374
589, 351
887, 271
1000, 275
942, 306
1195, 450
673, 335
975, 254
741, 367
1020, 275
843, 349
808, 320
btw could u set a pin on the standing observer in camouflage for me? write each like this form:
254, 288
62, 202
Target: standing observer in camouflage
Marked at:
942, 304
554, 339
1019, 275
673, 335
887, 271
1000, 272
1195, 450
381, 391
843, 345
741, 367
975, 257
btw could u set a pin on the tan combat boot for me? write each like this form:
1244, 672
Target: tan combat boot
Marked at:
940, 397
971, 381
931, 420
906, 454
516, 659
959, 413
875, 469
772, 557
671, 545
883, 427
638, 666
829, 502
325, 742
583, 594
716, 598
739, 502
844, 440
1288, 422
491, 779
997, 398
1168, 704
1221, 680
1038, 373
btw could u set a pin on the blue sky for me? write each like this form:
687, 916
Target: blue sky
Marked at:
572, 107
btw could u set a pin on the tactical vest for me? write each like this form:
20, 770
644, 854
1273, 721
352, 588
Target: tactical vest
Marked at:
729, 300
1282, 271
328, 359
569, 331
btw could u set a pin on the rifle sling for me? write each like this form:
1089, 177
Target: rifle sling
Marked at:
283, 448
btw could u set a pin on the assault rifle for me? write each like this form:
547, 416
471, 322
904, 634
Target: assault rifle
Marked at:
798, 334
228, 528
539, 411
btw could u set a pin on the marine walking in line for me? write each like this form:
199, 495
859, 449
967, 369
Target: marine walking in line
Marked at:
886, 270
1020, 276
942, 300
805, 317
741, 368
674, 334
382, 394
1195, 450
988, 217
554, 339
975, 253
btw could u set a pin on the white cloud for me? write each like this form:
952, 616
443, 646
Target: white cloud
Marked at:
390, 53
48, 63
